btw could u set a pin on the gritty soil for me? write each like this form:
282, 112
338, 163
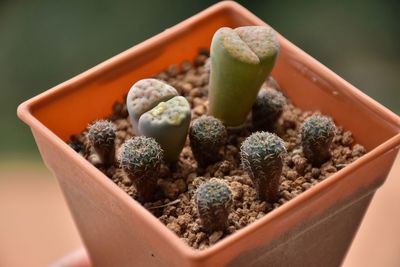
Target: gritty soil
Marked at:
179, 181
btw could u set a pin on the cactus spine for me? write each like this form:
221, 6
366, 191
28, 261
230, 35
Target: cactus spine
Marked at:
207, 135
262, 156
141, 158
101, 136
316, 138
214, 202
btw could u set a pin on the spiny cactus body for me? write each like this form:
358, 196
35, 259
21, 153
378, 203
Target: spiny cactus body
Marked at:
241, 59
141, 158
207, 135
214, 202
267, 108
101, 135
145, 95
316, 138
262, 157
168, 124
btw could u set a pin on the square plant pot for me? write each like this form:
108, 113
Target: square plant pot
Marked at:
313, 229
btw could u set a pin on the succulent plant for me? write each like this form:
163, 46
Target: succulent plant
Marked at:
241, 60
316, 138
207, 135
145, 95
168, 124
214, 202
101, 136
262, 156
141, 158
267, 108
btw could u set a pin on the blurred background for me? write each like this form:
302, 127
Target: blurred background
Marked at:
43, 43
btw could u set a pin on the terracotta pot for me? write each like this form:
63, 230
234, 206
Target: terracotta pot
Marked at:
314, 229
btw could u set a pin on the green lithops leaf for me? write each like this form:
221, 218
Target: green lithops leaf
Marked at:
168, 124
241, 60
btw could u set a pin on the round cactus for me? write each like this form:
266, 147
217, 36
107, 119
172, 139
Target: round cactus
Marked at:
168, 124
214, 202
145, 95
207, 135
316, 138
267, 108
241, 60
101, 136
262, 157
141, 158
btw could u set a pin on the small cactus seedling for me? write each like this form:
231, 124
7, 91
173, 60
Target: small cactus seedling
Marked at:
241, 60
101, 136
207, 135
141, 158
168, 124
214, 202
262, 157
145, 95
267, 108
316, 138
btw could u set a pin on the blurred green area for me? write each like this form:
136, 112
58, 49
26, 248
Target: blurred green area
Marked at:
43, 43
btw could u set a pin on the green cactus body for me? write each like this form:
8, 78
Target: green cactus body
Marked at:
101, 135
214, 202
145, 95
207, 135
241, 60
168, 124
267, 108
316, 138
262, 157
141, 158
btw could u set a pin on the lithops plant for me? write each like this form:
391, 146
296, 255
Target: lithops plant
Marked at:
262, 156
101, 136
241, 60
207, 135
214, 202
267, 108
145, 95
140, 158
317, 134
168, 124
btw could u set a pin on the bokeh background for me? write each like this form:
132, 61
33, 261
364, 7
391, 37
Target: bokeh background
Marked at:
43, 43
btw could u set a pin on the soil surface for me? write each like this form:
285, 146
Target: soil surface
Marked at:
178, 182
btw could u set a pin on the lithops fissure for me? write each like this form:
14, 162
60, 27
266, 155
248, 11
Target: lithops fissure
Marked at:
262, 156
168, 124
145, 95
241, 60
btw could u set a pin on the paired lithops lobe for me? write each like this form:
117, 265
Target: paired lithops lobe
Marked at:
101, 136
316, 138
214, 202
241, 60
207, 135
262, 156
145, 95
268, 107
140, 158
168, 124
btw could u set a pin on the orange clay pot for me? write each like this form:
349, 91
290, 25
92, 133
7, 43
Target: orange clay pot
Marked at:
314, 229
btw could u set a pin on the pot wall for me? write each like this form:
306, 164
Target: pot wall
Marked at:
117, 231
